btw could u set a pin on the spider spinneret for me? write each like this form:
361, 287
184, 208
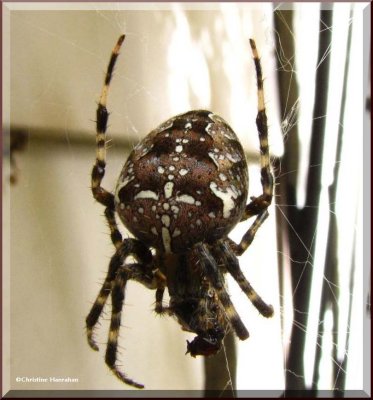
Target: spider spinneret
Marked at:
181, 191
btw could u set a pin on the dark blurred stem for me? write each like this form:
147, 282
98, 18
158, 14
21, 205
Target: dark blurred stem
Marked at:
220, 370
286, 181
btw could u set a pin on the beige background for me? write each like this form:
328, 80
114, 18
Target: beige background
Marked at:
56, 243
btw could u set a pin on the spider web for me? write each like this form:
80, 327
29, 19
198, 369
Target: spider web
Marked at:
57, 161
334, 284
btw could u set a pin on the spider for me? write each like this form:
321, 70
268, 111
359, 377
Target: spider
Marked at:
181, 191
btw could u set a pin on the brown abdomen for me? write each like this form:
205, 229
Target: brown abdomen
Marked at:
184, 183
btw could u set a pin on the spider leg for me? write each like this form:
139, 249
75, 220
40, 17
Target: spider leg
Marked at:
248, 237
117, 296
99, 193
128, 247
115, 235
159, 309
259, 205
100, 301
233, 267
215, 277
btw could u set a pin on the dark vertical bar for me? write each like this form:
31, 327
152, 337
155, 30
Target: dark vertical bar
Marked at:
287, 168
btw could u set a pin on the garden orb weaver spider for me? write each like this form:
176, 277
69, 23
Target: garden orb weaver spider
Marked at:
181, 191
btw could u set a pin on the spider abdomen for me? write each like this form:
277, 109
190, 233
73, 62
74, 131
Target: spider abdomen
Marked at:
184, 183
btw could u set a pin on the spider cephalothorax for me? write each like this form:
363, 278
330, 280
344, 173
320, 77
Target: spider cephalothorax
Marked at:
182, 190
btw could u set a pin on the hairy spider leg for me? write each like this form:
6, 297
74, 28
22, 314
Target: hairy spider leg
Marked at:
159, 309
128, 247
100, 301
99, 193
117, 298
233, 267
259, 205
249, 236
215, 277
